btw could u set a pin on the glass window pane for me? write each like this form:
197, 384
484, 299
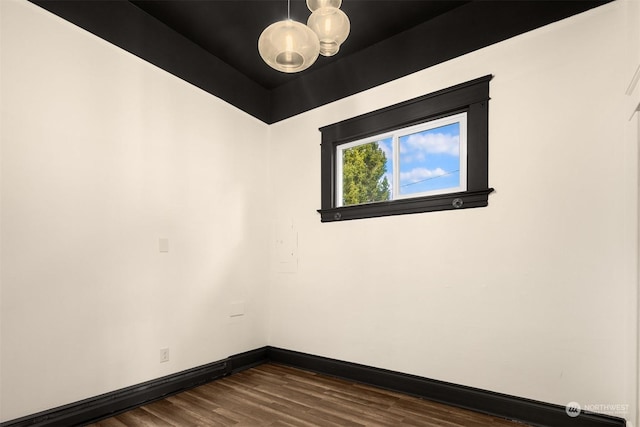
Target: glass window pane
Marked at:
367, 171
429, 160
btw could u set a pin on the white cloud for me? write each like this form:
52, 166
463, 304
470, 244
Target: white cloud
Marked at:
420, 174
418, 145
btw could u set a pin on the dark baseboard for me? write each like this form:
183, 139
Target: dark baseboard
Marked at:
248, 359
109, 404
519, 409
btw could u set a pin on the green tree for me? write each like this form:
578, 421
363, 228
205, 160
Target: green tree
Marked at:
363, 175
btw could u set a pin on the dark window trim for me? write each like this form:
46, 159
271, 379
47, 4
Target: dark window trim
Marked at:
471, 97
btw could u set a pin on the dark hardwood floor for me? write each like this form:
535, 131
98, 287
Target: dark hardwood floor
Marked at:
276, 395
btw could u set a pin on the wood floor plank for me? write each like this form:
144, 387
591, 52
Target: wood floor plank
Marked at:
111, 422
140, 417
173, 414
272, 395
291, 408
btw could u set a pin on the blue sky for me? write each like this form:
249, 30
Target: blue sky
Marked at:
429, 160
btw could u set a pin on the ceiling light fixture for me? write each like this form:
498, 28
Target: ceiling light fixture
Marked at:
330, 24
332, 27
317, 4
290, 46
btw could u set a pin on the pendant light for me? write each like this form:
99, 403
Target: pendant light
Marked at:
331, 25
289, 46
317, 4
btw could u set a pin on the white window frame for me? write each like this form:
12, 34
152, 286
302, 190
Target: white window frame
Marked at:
339, 162
432, 124
395, 135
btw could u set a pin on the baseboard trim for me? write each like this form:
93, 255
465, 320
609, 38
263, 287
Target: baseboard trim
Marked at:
514, 408
248, 359
109, 404
519, 409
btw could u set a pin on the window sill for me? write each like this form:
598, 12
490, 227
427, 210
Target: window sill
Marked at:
440, 202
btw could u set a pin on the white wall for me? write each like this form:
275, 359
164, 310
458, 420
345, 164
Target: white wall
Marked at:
535, 295
633, 93
102, 155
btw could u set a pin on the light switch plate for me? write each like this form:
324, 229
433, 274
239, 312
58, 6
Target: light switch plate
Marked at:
163, 245
236, 309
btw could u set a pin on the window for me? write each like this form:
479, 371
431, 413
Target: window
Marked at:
421, 160
426, 154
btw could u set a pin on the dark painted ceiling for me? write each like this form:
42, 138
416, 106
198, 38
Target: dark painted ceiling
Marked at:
226, 29
213, 43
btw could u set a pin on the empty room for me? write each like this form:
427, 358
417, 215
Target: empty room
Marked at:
437, 207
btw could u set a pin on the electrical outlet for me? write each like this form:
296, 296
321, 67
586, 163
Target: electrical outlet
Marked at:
164, 355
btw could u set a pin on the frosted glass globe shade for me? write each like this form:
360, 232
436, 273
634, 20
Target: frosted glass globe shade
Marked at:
332, 27
288, 46
317, 4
